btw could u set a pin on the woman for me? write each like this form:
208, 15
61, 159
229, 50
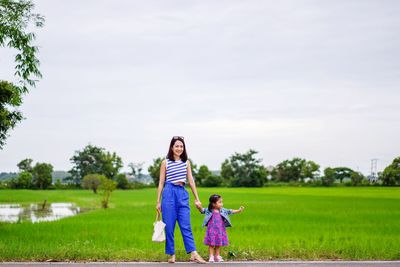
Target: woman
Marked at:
174, 172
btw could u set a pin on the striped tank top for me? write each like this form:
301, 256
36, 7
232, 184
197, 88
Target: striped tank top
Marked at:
176, 171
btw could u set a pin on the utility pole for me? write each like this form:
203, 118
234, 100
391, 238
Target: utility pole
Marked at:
374, 173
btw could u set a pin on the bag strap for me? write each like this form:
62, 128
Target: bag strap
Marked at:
157, 216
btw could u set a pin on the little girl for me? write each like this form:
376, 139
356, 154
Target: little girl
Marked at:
216, 219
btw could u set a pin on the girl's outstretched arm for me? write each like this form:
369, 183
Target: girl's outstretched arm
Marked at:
238, 211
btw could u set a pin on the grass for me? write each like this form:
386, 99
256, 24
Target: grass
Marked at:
354, 223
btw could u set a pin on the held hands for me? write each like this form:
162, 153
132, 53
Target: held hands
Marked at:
241, 208
197, 203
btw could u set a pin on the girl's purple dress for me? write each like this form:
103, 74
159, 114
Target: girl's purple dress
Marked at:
216, 232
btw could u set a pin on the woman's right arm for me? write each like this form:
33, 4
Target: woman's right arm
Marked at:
160, 185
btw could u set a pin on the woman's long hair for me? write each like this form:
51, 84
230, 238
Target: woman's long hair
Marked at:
170, 154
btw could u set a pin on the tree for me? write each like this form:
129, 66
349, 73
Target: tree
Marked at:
91, 160
294, 170
227, 170
15, 18
58, 184
391, 174
9, 98
244, 170
122, 181
107, 186
13, 183
25, 165
154, 170
356, 178
310, 170
111, 164
24, 180
92, 181
136, 169
202, 174
328, 179
341, 173
338, 173
42, 175
288, 170
212, 181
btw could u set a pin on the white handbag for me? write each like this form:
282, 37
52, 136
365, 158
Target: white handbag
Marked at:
159, 232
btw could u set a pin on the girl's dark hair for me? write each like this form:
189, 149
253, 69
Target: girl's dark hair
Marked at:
170, 154
213, 199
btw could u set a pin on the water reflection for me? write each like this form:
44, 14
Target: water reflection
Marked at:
37, 213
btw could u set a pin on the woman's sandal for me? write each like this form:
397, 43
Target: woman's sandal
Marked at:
197, 258
172, 259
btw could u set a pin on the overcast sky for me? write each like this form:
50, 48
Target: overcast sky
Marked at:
313, 79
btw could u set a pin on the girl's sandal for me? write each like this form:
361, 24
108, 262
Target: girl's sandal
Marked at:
172, 259
197, 258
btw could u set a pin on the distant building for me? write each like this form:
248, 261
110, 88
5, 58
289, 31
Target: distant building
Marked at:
372, 178
269, 169
308, 179
143, 178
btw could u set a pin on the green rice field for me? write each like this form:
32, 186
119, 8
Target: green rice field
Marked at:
352, 223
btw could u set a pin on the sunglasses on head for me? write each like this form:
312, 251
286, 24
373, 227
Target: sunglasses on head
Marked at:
177, 137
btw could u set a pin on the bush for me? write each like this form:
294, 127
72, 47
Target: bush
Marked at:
295, 183
107, 186
58, 184
212, 181
327, 180
24, 180
122, 181
139, 185
3, 185
348, 183
92, 181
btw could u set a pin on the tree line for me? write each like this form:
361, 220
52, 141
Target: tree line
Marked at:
246, 170
94, 166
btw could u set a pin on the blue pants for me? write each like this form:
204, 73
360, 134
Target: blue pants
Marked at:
175, 207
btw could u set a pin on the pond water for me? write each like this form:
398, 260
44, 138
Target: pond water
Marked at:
35, 213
